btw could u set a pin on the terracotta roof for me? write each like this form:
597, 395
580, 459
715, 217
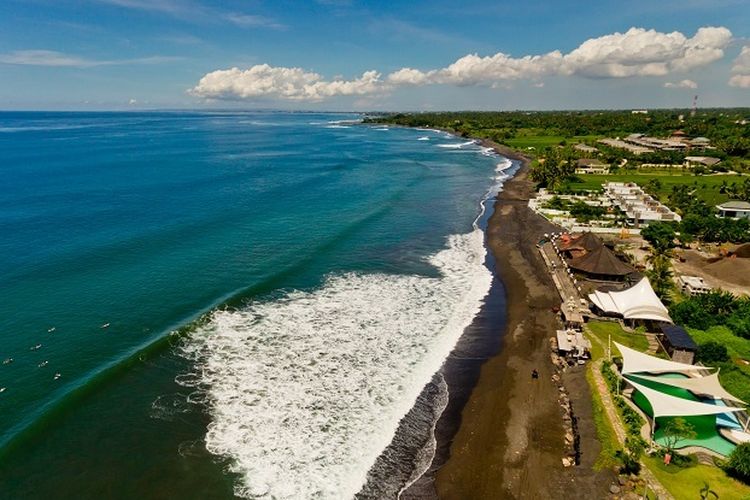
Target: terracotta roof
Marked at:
584, 241
601, 261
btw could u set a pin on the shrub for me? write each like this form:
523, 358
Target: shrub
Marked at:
712, 352
738, 464
630, 456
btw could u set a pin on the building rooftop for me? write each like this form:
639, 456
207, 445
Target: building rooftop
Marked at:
734, 205
590, 162
601, 261
586, 148
679, 338
706, 160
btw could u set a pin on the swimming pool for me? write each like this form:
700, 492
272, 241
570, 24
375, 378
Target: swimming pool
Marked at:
707, 432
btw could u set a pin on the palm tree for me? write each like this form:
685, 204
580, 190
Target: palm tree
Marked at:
660, 273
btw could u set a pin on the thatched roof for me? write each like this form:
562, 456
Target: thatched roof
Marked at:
601, 261
585, 241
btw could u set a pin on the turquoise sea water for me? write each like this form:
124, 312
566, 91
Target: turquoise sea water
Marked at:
316, 271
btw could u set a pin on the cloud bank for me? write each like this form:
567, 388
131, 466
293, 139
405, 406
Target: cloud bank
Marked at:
741, 69
293, 84
53, 58
682, 84
637, 52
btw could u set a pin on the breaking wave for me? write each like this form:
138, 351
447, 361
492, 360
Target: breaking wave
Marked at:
306, 391
456, 145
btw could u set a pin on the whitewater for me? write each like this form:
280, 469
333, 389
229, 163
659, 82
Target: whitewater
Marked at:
275, 327
306, 391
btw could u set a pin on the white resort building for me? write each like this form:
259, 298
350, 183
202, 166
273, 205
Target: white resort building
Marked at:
591, 166
639, 207
692, 285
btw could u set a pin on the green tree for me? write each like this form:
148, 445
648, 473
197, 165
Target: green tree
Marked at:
660, 275
676, 429
653, 187
660, 236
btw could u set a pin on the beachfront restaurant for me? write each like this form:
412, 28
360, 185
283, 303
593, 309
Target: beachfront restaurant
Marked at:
661, 390
601, 265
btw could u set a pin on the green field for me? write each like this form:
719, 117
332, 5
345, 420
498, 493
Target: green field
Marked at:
707, 185
539, 142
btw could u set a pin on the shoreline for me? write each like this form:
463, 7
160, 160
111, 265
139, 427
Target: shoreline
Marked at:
501, 433
510, 442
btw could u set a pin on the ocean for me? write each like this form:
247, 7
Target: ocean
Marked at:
220, 304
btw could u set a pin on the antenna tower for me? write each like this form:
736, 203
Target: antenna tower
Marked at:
695, 106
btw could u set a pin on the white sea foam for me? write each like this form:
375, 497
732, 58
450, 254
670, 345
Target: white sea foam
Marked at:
424, 138
456, 145
40, 128
344, 122
337, 126
305, 392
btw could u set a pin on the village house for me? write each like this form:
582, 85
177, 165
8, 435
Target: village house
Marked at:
734, 209
591, 166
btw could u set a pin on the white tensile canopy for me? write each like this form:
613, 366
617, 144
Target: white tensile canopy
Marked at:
635, 362
707, 386
665, 405
637, 302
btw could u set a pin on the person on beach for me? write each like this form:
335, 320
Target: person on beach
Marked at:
534, 374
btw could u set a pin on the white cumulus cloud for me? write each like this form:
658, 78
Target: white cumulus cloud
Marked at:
741, 69
263, 80
641, 52
682, 84
637, 52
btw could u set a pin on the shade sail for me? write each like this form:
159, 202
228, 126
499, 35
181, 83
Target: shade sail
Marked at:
635, 362
707, 386
664, 405
637, 302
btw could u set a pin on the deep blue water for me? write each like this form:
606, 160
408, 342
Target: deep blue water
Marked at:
306, 233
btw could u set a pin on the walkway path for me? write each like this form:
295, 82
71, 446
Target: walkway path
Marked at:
569, 294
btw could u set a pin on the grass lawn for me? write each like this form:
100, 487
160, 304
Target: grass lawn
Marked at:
601, 330
734, 377
708, 185
604, 430
687, 482
736, 346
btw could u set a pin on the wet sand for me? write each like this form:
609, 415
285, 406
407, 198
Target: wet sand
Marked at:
510, 441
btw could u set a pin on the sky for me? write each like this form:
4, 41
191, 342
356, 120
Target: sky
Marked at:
373, 55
